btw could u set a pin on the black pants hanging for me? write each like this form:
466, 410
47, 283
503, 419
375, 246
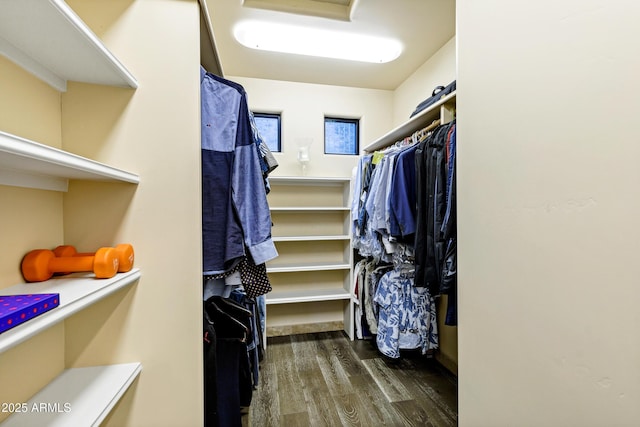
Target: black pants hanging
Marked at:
228, 381
210, 374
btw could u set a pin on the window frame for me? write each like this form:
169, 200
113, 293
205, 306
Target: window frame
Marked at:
350, 120
278, 116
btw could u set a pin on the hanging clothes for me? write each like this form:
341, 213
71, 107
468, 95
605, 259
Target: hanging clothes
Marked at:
407, 318
226, 367
367, 274
236, 227
448, 284
402, 196
235, 212
233, 349
431, 207
403, 213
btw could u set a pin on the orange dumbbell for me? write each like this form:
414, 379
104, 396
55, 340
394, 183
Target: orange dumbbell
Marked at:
124, 253
41, 264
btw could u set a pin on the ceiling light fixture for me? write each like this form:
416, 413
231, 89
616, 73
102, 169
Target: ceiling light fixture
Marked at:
316, 42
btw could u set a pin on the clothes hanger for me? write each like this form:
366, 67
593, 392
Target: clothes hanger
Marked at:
231, 307
432, 126
226, 326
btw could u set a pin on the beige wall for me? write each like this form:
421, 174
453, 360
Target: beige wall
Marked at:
548, 208
28, 219
303, 107
439, 70
155, 132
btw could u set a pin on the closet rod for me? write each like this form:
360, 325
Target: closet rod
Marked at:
432, 126
416, 136
209, 58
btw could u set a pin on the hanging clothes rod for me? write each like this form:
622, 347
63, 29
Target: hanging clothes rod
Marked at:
432, 126
419, 134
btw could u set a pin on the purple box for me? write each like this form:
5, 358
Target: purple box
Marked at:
17, 309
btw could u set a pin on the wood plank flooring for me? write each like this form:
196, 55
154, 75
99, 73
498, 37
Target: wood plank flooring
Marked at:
324, 379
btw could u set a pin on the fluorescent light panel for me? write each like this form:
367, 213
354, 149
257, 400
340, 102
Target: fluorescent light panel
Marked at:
316, 42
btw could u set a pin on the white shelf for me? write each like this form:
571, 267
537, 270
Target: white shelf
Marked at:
415, 123
311, 295
90, 394
314, 212
308, 180
25, 163
293, 268
311, 209
77, 291
309, 238
50, 41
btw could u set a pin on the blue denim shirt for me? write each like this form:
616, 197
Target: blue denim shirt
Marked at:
235, 212
402, 194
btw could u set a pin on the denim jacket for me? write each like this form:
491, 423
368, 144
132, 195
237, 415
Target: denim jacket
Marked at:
235, 212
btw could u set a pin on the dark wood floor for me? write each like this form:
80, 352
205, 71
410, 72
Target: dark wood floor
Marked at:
326, 380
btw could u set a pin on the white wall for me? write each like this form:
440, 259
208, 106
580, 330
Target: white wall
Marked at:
303, 107
439, 70
548, 208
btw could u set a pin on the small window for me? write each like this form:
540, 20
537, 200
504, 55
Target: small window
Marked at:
269, 128
341, 136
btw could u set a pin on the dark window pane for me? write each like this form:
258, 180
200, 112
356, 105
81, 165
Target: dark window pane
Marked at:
340, 136
269, 129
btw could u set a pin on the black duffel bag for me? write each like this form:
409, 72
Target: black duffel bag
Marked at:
438, 93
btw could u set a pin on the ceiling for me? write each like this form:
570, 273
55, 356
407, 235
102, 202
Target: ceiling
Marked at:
423, 26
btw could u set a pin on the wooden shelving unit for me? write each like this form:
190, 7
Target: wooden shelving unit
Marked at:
311, 277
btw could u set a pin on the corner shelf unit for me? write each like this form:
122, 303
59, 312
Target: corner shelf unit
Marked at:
48, 39
77, 292
25, 163
88, 393
311, 276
